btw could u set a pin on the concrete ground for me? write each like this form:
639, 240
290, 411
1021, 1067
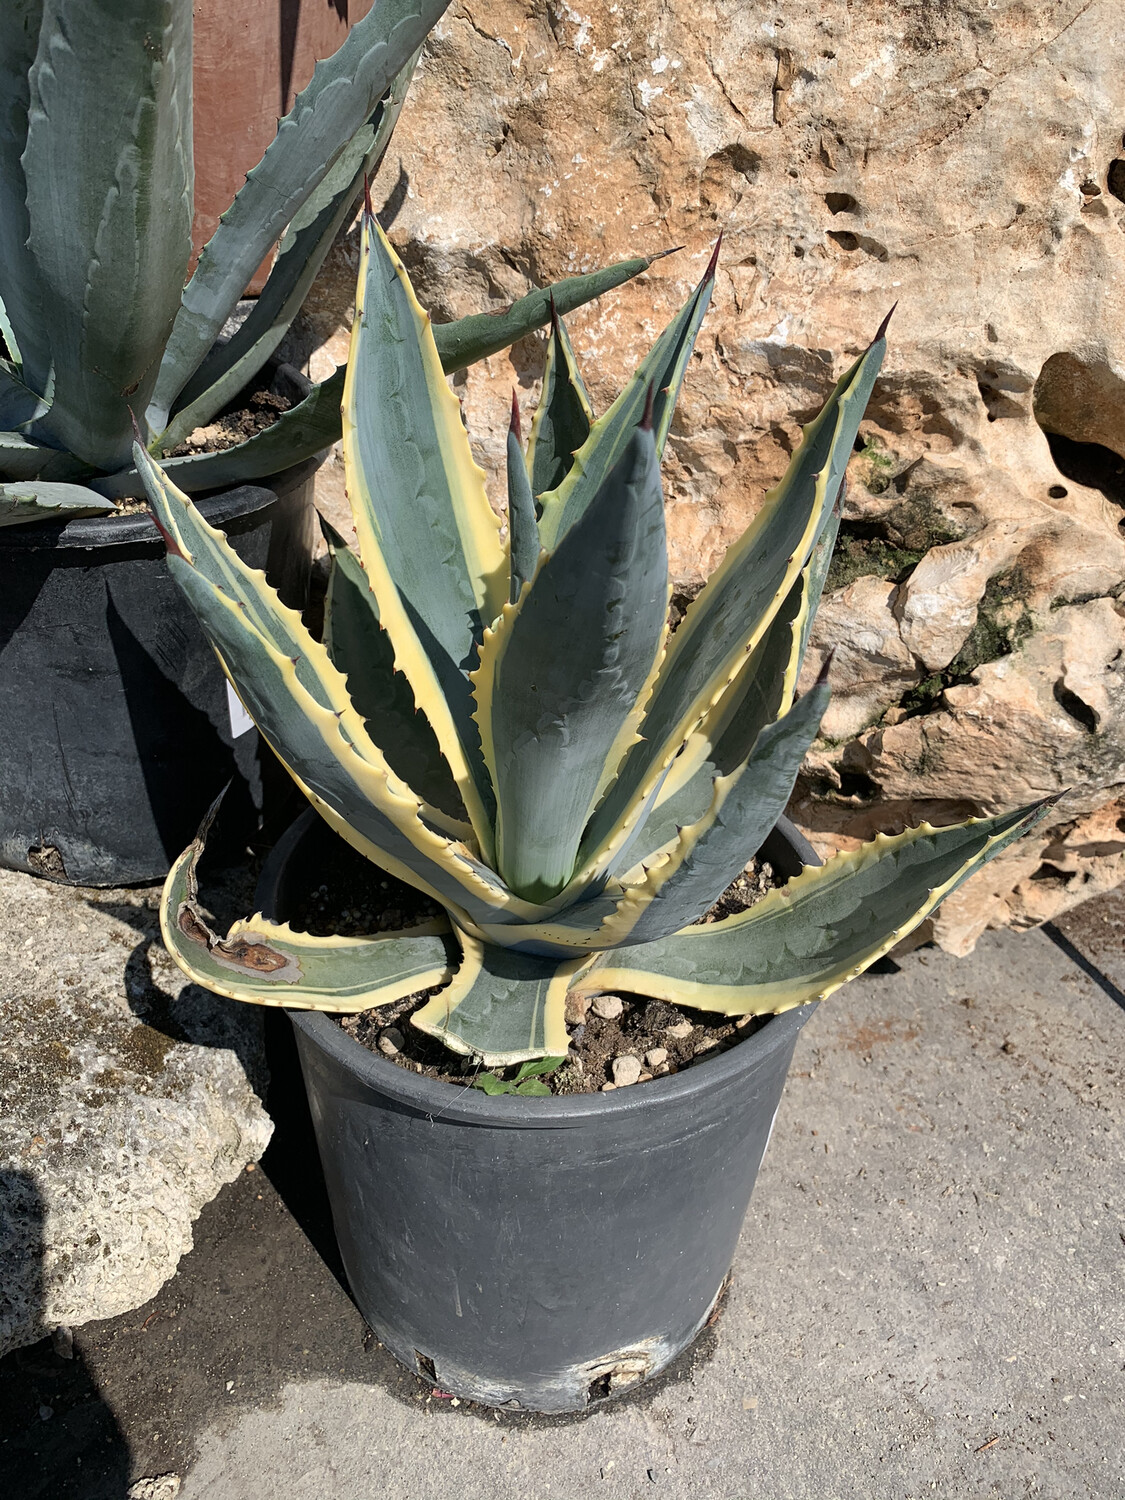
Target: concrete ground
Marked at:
927, 1298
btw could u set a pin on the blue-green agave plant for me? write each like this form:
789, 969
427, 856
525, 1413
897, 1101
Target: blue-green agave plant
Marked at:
96, 196
508, 724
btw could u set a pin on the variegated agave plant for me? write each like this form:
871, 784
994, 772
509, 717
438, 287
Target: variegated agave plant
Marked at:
510, 727
96, 197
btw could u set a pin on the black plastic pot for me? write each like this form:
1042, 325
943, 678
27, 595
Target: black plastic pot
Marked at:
115, 728
538, 1253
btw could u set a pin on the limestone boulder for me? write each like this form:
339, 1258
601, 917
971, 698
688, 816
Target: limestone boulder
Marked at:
964, 161
128, 1097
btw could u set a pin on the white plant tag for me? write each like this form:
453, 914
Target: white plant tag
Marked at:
240, 720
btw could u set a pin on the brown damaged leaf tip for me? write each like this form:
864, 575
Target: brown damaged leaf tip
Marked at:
822, 675
884, 325
713, 263
514, 426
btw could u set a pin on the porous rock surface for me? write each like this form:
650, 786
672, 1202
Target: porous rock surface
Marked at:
127, 1099
964, 160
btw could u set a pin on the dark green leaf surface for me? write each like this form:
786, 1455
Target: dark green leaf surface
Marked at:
20, 458
740, 599
109, 198
361, 649
467, 340
20, 291
563, 418
567, 671
662, 372
523, 532
754, 699
428, 538
753, 800
18, 403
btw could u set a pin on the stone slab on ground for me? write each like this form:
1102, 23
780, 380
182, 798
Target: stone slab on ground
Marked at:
127, 1100
926, 1299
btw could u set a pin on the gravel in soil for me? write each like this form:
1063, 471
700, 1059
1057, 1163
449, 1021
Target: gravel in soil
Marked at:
257, 410
615, 1040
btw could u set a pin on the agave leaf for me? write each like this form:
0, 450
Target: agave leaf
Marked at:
332, 760
39, 500
344, 92
19, 404
523, 532
314, 423
814, 578
807, 939
268, 963
228, 367
561, 675
737, 606
467, 340
429, 540
761, 693
662, 373
109, 219
20, 458
678, 887
564, 416
300, 433
569, 931
300, 704
502, 1007
361, 649
20, 291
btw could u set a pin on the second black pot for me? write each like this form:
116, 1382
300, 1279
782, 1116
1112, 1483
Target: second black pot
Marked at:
536, 1253
115, 725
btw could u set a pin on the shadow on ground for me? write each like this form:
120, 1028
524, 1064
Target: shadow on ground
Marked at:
59, 1439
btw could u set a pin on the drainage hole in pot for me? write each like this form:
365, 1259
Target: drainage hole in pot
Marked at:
425, 1367
600, 1388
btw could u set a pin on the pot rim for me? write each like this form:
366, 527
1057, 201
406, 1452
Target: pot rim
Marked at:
95, 533
466, 1105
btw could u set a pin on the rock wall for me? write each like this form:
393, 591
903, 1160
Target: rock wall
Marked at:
964, 160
